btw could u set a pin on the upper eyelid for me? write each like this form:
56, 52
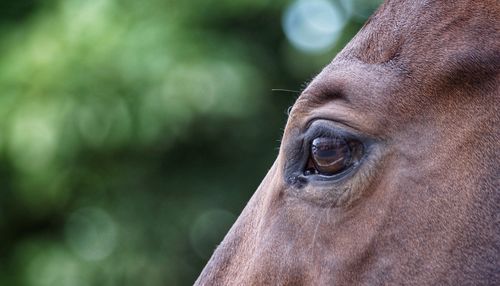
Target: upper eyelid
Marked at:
339, 128
334, 121
333, 131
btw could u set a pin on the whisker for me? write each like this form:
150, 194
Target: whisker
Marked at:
285, 90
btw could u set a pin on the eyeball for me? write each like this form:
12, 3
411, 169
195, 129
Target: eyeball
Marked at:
331, 155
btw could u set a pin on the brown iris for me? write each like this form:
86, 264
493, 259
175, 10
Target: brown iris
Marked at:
329, 156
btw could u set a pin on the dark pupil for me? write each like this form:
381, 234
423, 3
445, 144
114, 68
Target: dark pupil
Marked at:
330, 155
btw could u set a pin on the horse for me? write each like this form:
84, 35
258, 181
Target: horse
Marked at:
388, 168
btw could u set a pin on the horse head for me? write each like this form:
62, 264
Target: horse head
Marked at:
388, 170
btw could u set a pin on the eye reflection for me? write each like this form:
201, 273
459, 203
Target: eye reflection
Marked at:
331, 155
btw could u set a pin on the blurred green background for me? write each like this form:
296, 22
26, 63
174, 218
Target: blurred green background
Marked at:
132, 133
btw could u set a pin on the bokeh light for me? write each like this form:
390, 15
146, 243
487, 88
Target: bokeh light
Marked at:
313, 26
91, 233
54, 266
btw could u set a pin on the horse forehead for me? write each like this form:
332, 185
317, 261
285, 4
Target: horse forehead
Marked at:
428, 33
436, 47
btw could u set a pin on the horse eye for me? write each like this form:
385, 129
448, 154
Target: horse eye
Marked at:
331, 155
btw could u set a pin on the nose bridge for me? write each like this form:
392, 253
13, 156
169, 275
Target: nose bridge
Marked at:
233, 257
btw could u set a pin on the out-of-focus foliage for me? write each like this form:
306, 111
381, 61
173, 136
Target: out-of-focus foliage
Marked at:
133, 132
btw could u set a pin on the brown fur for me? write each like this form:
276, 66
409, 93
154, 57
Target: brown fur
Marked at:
422, 77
